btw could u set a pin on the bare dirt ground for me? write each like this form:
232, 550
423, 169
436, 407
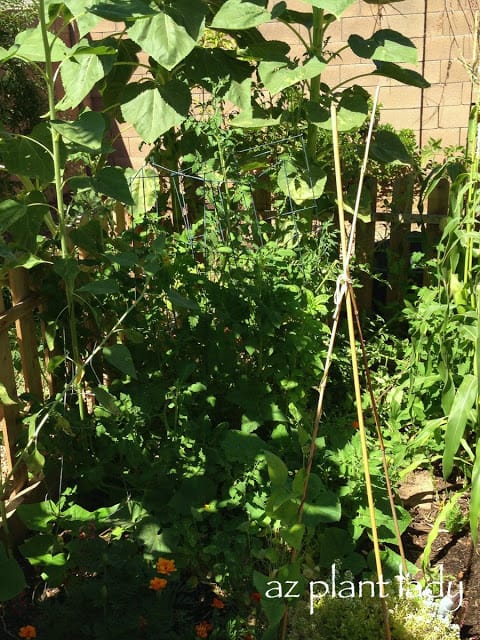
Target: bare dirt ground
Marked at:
424, 495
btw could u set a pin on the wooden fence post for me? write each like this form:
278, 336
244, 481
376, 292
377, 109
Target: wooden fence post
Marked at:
26, 333
398, 254
365, 248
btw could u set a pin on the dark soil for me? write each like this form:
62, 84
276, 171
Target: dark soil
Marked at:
424, 496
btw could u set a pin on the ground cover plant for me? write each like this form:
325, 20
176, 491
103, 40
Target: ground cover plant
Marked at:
174, 453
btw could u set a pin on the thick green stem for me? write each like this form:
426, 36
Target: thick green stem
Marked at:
317, 46
62, 225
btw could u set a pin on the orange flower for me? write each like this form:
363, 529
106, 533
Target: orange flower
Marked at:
248, 637
217, 603
166, 567
157, 583
355, 424
255, 596
203, 629
27, 632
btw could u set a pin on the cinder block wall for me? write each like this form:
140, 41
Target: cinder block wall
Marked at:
442, 31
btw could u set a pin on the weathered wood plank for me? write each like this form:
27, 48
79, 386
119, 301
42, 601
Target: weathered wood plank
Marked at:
26, 333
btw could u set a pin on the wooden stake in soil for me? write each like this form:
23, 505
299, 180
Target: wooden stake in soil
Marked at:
344, 281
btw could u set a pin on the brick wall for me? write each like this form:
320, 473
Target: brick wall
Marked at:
442, 31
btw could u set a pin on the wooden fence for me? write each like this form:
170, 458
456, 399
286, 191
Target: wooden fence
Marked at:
21, 313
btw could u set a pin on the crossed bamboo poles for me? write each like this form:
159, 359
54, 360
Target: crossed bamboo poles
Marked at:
344, 291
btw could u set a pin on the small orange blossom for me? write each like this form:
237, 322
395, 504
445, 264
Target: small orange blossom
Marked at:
217, 603
157, 583
165, 566
255, 596
29, 631
203, 629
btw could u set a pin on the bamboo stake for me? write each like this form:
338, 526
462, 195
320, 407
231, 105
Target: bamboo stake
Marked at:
344, 281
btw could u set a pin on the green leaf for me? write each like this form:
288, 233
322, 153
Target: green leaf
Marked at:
67, 269
241, 14
84, 20
274, 607
106, 400
127, 10
277, 469
111, 181
405, 76
144, 186
351, 112
30, 46
100, 287
277, 76
79, 75
150, 534
463, 402
386, 46
387, 147
38, 548
30, 157
294, 535
119, 356
87, 132
475, 496
25, 231
155, 110
335, 7
11, 211
299, 184
180, 301
241, 447
322, 505
4, 397
39, 516
13, 580
168, 37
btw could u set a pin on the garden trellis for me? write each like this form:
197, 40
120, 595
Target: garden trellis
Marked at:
248, 204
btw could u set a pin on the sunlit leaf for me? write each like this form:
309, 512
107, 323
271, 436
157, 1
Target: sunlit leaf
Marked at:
241, 14
463, 402
385, 45
153, 111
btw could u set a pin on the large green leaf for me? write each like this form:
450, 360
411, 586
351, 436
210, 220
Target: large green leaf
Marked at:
335, 7
405, 76
79, 75
87, 132
274, 607
463, 402
25, 231
387, 147
168, 37
241, 14
144, 185
385, 45
277, 76
11, 211
298, 183
127, 10
351, 112
277, 469
111, 181
30, 157
30, 46
118, 355
12, 580
155, 110
84, 20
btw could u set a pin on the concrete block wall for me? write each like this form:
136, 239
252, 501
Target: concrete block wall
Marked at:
442, 31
